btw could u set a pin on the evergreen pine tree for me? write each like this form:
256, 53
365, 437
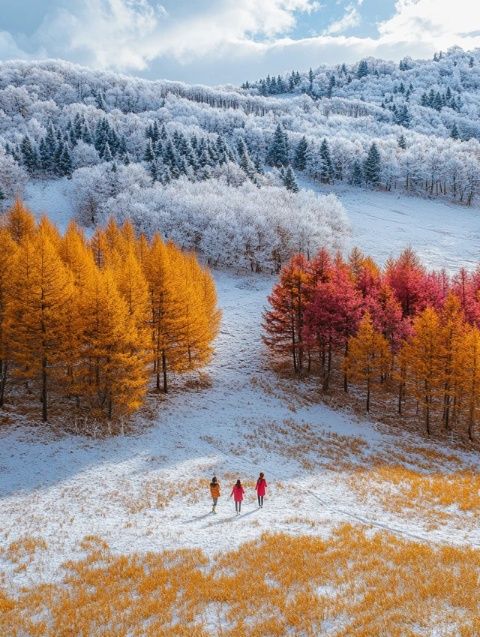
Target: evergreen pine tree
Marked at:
362, 70
402, 143
326, 167
357, 174
48, 158
29, 155
87, 135
372, 166
107, 154
149, 155
78, 124
331, 86
402, 116
65, 164
300, 158
438, 102
289, 180
56, 168
454, 132
278, 152
247, 165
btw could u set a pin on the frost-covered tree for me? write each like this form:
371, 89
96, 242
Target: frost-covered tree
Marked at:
362, 70
278, 152
371, 168
289, 180
300, 157
326, 166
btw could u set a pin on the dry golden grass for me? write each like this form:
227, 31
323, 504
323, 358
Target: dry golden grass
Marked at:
355, 584
400, 476
21, 553
435, 496
309, 446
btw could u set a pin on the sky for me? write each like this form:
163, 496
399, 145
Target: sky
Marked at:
230, 41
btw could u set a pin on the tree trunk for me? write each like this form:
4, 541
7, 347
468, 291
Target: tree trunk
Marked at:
3, 381
326, 377
157, 374
44, 390
164, 368
345, 377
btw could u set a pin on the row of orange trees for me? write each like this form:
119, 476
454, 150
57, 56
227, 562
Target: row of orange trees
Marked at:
87, 321
413, 331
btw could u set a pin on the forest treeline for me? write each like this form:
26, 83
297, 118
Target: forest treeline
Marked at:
422, 116
87, 322
401, 332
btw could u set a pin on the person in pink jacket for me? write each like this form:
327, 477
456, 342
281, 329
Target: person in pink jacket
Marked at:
261, 489
238, 492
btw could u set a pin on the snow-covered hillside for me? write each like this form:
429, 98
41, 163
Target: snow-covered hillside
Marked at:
379, 126
383, 224
149, 490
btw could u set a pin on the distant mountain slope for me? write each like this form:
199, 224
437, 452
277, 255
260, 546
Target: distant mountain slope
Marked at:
424, 95
415, 127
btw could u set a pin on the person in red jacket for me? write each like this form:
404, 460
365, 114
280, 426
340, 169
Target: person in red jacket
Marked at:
238, 492
261, 489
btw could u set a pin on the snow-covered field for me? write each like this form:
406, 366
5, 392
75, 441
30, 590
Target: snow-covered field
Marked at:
383, 224
50, 197
445, 235
149, 490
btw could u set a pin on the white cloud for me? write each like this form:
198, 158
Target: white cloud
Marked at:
350, 19
128, 34
439, 23
9, 48
218, 41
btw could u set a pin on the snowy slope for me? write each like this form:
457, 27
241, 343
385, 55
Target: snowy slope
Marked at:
149, 491
444, 235
50, 197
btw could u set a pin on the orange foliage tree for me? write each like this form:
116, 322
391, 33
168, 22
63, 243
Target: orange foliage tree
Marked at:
83, 320
368, 357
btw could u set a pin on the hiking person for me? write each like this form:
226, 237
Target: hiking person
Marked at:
214, 492
238, 492
261, 489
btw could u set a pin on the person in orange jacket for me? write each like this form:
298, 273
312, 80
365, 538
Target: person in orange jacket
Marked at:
214, 492
238, 492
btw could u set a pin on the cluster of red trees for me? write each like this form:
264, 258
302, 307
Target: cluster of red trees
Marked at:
413, 331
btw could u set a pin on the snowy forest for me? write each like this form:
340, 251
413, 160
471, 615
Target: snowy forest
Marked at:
410, 127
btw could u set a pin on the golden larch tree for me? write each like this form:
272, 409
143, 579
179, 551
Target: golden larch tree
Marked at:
453, 327
8, 255
164, 311
113, 356
41, 296
368, 358
424, 354
19, 221
469, 377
